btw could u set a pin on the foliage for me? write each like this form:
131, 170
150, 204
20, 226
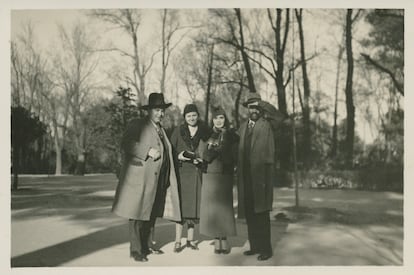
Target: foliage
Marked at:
387, 40
25, 127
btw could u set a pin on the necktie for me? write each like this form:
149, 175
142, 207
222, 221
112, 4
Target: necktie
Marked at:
159, 130
251, 124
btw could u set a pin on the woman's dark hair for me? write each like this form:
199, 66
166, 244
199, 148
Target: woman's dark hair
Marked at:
216, 111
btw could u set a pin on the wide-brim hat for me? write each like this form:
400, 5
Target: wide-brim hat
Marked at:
252, 98
156, 100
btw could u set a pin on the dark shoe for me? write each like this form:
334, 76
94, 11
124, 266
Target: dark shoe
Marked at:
192, 245
156, 251
138, 257
264, 257
225, 251
217, 251
249, 252
177, 247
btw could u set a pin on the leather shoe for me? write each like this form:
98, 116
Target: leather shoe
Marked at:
192, 245
249, 252
156, 251
138, 257
264, 257
217, 251
177, 247
225, 251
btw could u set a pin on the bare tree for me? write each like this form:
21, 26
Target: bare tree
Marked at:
350, 108
129, 21
306, 92
335, 122
75, 67
169, 30
234, 36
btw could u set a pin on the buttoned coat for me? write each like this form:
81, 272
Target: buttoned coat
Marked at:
262, 161
135, 194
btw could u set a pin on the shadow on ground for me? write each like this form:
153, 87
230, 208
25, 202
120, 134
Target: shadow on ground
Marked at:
70, 250
333, 227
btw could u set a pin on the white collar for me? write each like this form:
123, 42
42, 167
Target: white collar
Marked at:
193, 130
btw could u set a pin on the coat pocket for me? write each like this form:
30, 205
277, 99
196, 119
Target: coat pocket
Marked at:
134, 175
136, 162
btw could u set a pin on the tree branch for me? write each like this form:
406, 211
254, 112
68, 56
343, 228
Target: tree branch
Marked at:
399, 86
265, 56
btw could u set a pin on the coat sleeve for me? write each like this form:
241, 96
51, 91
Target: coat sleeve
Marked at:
131, 143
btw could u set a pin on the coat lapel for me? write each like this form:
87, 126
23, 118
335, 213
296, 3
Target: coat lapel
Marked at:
257, 130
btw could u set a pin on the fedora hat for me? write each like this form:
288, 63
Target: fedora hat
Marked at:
156, 100
252, 98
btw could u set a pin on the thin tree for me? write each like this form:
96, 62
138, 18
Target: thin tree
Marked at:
306, 92
75, 67
350, 108
169, 30
129, 21
209, 79
334, 149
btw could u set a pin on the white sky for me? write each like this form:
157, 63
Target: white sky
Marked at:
320, 32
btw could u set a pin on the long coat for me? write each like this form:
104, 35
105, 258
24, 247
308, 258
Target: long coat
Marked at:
135, 194
262, 160
189, 175
217, 213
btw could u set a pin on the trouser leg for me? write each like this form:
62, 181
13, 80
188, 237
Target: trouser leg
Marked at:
135, 236
251, 226
263, 236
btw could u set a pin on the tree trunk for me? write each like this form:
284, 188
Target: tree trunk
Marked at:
16, 157
335, 124
237, 105
164, 49
80, 164
280, 61
58, 149
284, 137
306, 91
350, 108
245, 58
209, 81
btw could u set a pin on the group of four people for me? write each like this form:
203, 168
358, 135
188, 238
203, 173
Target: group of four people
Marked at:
188, 178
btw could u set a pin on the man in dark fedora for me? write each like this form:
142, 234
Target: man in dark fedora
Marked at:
255, 174
147, 186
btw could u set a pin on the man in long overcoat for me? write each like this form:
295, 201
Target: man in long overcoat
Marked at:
256, 160
147, 186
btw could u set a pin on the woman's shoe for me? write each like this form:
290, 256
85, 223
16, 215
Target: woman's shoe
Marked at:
192, 245
224, 246
177, 247
225, 251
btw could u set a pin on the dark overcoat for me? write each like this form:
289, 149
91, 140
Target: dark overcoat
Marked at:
216, 212
135, 194
262, 160
189, 174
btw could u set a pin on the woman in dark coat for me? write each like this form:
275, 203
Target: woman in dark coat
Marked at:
217, 213
185, 141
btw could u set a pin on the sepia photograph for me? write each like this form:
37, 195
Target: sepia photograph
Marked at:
216, 136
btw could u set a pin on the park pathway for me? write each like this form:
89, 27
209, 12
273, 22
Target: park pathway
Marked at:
66, 221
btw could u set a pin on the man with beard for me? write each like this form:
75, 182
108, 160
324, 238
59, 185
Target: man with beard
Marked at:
255, 174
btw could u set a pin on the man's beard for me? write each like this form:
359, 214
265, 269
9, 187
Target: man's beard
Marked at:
254, 116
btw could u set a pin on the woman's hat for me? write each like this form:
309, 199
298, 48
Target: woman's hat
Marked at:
190, 108
252, 98
218, 110
156, 100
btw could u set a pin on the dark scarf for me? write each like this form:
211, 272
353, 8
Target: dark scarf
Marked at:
203, 133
